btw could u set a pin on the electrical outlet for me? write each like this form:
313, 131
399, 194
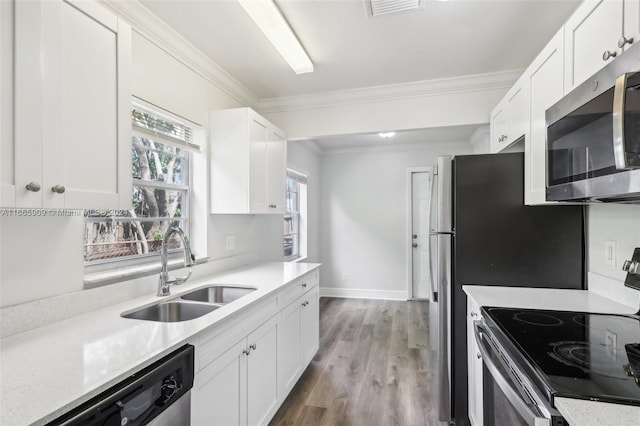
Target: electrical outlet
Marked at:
230, 243
610, 252
611, 340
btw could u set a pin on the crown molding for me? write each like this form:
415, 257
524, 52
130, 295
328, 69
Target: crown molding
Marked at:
444, 86
400, 147
149, 25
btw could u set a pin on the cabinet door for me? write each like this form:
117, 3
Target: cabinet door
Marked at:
631, 25
262, 385
219, 394
289, 349
258, 172
79, 105
545, 87
310, 326
499, 127
594, 29
277, 168
474, 364
518, 117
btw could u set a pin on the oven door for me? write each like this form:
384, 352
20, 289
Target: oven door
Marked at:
508, 397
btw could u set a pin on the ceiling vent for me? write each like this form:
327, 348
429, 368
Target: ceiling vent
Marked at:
384, 7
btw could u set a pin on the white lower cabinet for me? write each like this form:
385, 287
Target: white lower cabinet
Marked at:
298, 339
240, 386
246, 371
474, 366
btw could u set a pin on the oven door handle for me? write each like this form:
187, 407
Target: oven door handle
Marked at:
512, 395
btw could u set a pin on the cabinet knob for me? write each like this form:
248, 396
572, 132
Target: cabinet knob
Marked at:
414, 245
245, 351
58, 189
33, 187
623, 40
304, 285
608, 55
473, 314
478, 355
253, 347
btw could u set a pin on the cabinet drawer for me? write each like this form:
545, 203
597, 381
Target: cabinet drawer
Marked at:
217, 339
297, 288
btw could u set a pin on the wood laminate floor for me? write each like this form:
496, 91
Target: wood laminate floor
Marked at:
374, 367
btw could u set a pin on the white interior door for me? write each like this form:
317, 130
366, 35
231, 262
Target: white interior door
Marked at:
420, 206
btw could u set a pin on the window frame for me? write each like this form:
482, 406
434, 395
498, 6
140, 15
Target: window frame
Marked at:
299, 251
188, 148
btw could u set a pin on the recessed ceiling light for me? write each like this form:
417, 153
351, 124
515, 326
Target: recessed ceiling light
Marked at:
269, 19
386, 135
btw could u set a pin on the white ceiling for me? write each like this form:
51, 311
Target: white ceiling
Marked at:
351, 50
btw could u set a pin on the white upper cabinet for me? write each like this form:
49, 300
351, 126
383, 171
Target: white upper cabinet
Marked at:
248, 163
509, 119
544, 84
596, 33
72, 126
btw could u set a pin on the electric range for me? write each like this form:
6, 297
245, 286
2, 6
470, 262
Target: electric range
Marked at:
573, 354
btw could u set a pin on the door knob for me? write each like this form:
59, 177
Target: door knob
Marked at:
414, 245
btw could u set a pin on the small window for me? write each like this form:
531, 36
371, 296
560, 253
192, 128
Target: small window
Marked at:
160, 165
295, 219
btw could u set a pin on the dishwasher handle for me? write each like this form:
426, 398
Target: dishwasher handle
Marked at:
512, 395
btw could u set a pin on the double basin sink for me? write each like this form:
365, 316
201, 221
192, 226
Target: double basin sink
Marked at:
191, 305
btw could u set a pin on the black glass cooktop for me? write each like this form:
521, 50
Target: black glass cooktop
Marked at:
577, 354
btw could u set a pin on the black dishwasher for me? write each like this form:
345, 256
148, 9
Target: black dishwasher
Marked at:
158, 394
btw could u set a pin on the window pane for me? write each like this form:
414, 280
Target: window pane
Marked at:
288, 224
157, 162
291, 246
158, 202
110, 239
292, 202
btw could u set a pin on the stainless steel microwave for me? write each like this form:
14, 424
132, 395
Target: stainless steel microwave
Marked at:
593, 137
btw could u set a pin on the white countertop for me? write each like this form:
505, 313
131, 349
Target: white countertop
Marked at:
576, 412
46, 371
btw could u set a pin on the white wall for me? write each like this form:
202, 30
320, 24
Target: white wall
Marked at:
301, 157
363, 217
42, 257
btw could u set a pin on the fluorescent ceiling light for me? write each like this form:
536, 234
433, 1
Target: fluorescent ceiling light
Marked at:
269, 19
387, 135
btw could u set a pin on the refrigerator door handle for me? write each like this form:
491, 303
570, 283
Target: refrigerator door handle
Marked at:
432, 254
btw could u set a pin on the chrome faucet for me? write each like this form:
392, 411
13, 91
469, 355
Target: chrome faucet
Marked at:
165, 281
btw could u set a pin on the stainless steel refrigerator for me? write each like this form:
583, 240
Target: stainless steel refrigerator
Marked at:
483, 234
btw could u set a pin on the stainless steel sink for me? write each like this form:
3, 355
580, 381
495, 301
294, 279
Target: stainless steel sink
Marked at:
172, 311
220, 294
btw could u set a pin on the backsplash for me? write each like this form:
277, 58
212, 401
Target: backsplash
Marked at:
620, 224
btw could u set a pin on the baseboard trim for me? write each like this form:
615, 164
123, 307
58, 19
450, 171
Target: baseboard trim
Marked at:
357, 293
